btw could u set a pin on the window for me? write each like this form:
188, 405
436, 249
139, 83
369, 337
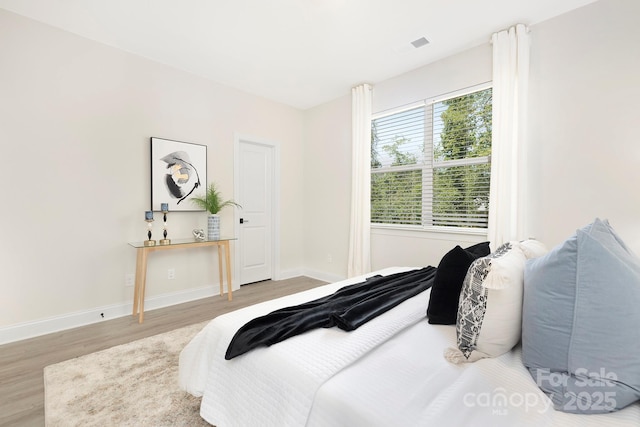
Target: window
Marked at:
430, 164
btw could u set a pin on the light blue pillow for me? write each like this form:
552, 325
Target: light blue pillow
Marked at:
581, 322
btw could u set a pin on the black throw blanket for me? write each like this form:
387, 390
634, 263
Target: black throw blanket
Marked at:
348, 308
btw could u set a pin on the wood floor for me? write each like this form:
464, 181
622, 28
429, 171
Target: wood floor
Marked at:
22, 363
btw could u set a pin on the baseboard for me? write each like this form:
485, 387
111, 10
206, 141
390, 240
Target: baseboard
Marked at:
40, 327
314, 274
321, 275
289, 274
49, 325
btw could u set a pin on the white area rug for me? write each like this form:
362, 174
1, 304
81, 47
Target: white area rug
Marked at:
134, 384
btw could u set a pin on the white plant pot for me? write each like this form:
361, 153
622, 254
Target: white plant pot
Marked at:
213, 227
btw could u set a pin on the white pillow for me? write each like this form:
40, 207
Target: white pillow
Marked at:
489, 318
533, 248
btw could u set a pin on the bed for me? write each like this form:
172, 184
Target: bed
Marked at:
389, 372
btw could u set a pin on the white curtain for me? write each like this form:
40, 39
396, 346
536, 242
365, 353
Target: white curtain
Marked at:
359, 238
508, 145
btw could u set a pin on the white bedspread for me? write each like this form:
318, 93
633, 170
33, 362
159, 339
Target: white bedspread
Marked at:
389, 372
276, 386
407, 382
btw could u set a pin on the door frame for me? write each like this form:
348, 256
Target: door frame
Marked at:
275, 201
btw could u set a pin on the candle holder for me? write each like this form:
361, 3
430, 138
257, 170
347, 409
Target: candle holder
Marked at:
165, 211
148, 217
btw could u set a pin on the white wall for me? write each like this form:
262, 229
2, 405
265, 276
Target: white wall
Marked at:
585, 86
75, 122
456, 72
327, 201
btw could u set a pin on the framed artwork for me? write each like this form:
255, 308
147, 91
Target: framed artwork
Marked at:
178, 173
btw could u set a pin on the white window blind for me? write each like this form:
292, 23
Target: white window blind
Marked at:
430, 163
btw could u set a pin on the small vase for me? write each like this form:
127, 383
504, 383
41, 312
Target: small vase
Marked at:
213, 227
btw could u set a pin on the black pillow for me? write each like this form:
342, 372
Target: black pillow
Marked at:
447, 284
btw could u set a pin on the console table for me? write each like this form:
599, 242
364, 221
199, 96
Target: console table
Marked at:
141, 266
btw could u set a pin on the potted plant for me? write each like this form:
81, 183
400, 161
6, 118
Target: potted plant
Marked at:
213, 203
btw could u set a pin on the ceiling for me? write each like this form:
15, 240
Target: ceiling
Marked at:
298, 52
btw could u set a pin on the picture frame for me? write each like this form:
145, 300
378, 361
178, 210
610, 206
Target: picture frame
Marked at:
178, 173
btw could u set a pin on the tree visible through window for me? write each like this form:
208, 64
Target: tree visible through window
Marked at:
430, 164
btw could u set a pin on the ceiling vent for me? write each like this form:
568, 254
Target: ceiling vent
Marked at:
420, 42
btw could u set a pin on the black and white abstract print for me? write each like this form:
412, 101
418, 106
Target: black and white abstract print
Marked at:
178, 172
473, 301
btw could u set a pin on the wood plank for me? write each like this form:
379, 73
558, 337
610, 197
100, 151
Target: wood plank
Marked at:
22, 363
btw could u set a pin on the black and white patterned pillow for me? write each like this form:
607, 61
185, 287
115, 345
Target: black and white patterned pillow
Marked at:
490, 306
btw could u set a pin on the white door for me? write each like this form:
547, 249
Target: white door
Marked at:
256, 182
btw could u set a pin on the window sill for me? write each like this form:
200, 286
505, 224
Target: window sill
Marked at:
440, 233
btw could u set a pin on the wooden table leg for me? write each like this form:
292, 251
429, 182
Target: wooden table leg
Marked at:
141, 278
228, 259
136, 289
135, 299
219, 249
